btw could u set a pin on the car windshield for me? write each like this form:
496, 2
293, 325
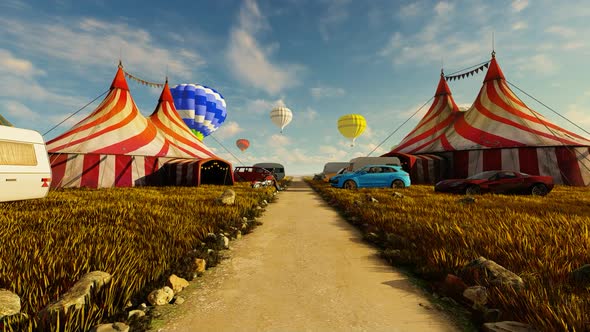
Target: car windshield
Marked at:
482, 176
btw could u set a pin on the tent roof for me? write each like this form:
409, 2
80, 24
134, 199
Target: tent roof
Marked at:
497, 119
115, 127
429, 132
4, 122
170, 124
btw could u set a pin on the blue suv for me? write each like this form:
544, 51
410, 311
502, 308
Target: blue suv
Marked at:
373, 176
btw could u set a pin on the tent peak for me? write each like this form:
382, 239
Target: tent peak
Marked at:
119, 81
443, 87
166, 95
494, 71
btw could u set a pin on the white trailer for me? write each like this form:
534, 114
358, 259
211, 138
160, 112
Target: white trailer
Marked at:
360, 162
25, 172
276, 168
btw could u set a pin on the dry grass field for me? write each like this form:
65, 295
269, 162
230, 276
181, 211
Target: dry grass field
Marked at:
541, 239
138, 235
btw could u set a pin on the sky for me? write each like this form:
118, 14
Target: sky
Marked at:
320, 58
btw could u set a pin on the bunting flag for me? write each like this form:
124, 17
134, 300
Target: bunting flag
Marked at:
467, 74
143, 82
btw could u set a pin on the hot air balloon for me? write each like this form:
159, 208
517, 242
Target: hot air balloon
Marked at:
242, 144
202, 108
281, 116
352, 126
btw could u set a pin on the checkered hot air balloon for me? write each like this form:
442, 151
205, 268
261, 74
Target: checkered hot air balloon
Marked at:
281, 116
202, 108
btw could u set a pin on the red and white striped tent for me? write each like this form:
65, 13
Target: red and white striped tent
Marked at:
203, 167
115, 146
428, 135
500, 132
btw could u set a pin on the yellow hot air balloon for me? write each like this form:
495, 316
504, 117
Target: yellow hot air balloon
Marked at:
352, 126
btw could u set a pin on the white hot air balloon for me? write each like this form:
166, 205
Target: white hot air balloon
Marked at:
281, 116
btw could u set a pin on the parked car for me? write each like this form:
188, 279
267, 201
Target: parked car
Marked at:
257, 176
499, 182
373, 176
276, 169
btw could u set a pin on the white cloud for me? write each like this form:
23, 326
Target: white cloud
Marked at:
91, 42
227, 130
539, 63
277, 140
561, 31
579, 115
14, 4
261, 106
250, 61
519, 5
326, 91
336, 13
21, 67
308, 114
410, 10
574, 45
20, 75
443, 8
16, 110
519, 25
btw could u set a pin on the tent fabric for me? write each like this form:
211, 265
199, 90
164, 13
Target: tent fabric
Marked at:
101, 171
186, 172
423, 169
429, 133
567, 165
115, 127
170, 124
499, 119
4, 122
498, 132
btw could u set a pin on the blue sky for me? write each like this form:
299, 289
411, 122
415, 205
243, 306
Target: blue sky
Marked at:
320, 58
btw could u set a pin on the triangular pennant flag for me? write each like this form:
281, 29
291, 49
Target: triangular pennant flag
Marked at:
476, 70
486, 65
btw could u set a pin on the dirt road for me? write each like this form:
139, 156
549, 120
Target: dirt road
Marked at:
304, 269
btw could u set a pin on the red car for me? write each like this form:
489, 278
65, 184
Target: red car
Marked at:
499, 182
253, 174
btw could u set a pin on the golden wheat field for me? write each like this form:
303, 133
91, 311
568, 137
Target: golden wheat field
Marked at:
542, 239
138, 235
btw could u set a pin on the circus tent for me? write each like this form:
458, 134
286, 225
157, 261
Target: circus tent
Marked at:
500, 132
114, 146
427, 136
4, 122
196, 167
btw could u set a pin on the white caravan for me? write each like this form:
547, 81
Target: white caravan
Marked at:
25, 172
276, 168
360, 162
332, 168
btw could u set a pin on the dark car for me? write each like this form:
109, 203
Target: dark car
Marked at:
499, 182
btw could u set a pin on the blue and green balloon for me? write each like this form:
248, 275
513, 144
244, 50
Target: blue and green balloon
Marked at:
202, 108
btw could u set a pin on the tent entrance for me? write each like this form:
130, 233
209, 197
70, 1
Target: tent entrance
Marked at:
216, 172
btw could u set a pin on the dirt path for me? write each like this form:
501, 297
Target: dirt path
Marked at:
304, 269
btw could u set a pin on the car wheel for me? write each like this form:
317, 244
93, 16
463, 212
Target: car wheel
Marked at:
349, 184
397, 184
473, 190
539, 189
